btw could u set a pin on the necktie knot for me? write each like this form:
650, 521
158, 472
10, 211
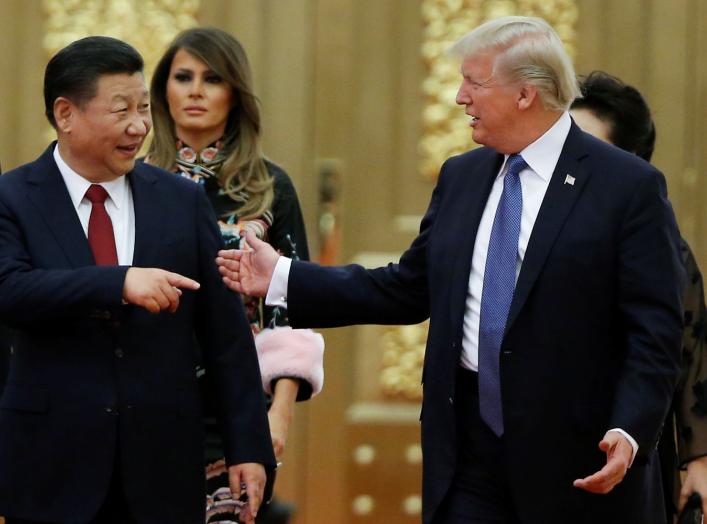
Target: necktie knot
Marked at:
515, 164
96, 194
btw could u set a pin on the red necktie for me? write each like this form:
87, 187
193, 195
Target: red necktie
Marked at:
100, 228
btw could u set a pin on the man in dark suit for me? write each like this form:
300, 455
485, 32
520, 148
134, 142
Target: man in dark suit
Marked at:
553, 290
107, 276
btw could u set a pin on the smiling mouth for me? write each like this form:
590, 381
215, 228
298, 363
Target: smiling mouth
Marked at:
130, 150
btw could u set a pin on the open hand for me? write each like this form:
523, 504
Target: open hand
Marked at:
619, 453
248, 271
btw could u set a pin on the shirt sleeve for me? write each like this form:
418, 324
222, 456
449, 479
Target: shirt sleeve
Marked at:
277, 291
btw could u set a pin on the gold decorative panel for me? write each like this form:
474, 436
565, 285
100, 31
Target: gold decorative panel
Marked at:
403, 357
148, 25
445, 127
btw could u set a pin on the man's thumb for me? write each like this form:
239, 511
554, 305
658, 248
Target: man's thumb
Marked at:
253, 241
605, 445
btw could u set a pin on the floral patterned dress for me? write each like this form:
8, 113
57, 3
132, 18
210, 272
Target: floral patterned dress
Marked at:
283, 227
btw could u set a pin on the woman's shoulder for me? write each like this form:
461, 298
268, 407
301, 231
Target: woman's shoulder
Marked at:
282, 183
278, 173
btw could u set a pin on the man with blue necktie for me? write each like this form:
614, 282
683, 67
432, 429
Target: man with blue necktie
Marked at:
547, 263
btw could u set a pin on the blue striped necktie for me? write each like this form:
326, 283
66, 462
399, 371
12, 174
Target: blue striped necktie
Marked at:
499, 283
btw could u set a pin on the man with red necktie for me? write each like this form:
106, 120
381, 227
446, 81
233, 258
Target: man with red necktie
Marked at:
107, 277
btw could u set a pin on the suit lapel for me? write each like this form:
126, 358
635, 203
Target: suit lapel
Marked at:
474, 192
47, 192
148, 221
557, 204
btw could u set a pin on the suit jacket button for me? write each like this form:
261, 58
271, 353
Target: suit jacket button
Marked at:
118, 353
111, 410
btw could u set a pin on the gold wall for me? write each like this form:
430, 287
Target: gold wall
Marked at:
340, 83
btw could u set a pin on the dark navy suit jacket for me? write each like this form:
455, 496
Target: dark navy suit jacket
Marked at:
592, 340
90, 376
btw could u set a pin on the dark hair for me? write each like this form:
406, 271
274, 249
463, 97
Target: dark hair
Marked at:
621, 106
74, 71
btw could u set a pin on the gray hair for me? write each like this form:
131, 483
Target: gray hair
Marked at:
529, 52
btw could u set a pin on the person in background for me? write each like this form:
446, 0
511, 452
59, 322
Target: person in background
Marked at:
207, 129
617, 113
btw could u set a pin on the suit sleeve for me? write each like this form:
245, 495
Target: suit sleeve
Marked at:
229, 353
29, 294
338, 296
650, 283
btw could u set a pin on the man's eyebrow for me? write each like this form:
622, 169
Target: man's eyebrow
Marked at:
119, 98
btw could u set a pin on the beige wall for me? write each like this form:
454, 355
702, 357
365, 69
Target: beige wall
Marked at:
339, 79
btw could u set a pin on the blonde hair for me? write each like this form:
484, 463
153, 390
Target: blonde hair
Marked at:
529, 51
244, 175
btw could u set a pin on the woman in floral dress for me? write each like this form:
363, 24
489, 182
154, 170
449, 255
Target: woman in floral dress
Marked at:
207, 128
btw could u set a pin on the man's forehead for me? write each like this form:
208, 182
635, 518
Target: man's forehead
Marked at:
122, 85
477, 68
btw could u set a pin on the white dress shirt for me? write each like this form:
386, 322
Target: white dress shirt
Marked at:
119, 206
542, 157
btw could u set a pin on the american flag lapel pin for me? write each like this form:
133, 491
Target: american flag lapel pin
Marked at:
569, 179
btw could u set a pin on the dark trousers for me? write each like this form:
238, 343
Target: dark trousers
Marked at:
479, 493
114, 509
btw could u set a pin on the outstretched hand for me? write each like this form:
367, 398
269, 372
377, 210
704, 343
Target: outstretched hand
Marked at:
248, 271
619, 453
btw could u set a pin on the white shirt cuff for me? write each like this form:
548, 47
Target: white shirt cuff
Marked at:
634, 444
277, 291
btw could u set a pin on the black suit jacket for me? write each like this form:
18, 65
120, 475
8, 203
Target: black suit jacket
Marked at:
89, 375
593, 335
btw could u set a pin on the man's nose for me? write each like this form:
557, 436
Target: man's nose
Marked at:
463, 97
139, 126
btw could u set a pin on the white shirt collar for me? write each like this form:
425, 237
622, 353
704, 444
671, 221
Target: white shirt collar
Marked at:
543, 154
77, 185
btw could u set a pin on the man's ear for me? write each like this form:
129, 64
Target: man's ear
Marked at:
64, 112
526, 96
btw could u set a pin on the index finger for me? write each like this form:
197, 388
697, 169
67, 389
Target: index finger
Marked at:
599, 481
255, 496
179, 281
230, 254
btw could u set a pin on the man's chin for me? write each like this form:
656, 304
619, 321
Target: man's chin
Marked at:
125, 166
478, 137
